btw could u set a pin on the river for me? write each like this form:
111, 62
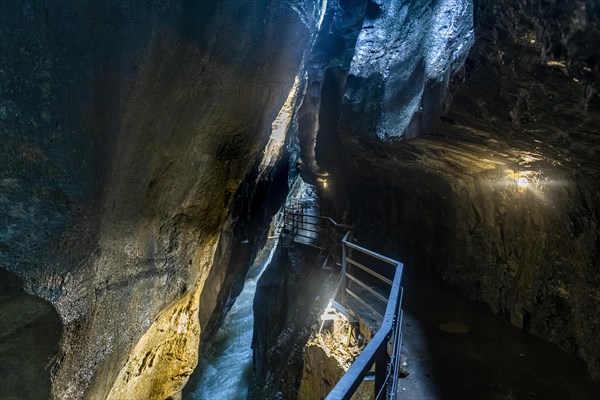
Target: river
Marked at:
228, 357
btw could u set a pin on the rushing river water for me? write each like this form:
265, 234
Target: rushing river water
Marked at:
228, 360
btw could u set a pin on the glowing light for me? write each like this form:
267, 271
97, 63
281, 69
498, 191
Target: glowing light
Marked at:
528, 179
323, 182
557, 64
523, 182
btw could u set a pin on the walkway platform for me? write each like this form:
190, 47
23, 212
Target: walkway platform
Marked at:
492, 360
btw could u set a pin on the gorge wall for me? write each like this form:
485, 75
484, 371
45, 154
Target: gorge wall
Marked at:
380, 69
132, 172
128, 129
499, 192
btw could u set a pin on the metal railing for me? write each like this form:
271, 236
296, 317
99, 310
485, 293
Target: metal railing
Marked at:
316, 230
387, 366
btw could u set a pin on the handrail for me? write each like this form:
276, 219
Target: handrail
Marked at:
367, 288
370, 253
386, 370
369, 271
353, 377
375, 352
305, 225
336, 224
364, 303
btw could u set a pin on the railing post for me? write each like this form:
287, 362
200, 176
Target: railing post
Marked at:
295, 225
381, 364
302, 215
343, 279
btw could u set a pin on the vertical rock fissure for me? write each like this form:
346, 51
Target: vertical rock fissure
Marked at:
244, 236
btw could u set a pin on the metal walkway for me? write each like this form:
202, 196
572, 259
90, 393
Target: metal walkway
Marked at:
369, 285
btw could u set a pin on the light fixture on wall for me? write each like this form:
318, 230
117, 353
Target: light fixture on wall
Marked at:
523, 182
322, 179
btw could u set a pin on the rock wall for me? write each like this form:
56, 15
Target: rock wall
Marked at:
291, 293
500, 194
130, 130
357, 71
29, 334
379, 69
404, 57
328, 355
529, 251
321, 372
245, 232
127, 129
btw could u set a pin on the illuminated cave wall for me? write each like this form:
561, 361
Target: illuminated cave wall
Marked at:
500, 195
128, 130
131, 130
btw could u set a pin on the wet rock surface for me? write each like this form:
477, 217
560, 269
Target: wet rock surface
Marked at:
131, 134
404, 57
379, 69
328, 355
289, 296
127, 130
30, 329
500, 195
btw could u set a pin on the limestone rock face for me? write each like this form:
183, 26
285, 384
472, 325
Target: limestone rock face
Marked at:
127, 129
321, 372
404, 57
500, 194
379, 69
291, 293
29, 334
